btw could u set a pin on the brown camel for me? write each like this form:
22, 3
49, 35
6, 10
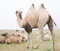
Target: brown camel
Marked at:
35, 19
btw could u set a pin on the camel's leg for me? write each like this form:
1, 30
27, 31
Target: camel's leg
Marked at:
42, 35
29, 42
39, 37
53, 38
28, 29
50, 25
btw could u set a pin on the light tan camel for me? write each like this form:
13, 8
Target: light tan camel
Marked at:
35, 19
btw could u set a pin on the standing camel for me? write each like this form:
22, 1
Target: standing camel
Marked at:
35, 19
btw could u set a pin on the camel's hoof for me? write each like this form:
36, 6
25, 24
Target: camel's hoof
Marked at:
36, 47
31, 47
27, 47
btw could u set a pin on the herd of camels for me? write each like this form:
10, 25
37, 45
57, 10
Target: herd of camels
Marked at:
36, 18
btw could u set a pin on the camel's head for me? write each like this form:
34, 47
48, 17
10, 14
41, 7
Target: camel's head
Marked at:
19, 14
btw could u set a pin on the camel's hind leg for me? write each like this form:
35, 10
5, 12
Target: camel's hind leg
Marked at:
50, 25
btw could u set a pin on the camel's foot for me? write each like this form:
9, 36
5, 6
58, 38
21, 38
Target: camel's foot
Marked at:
29, 47
36, 47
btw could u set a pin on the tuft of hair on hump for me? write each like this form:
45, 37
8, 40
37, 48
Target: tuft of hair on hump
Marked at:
33, 5
42, 5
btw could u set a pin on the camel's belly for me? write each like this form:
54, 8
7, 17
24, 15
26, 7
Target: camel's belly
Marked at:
42, 20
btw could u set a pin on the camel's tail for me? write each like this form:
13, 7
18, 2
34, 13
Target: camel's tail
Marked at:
53, 21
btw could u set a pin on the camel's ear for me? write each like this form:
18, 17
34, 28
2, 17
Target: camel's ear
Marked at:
16, 12
21, 12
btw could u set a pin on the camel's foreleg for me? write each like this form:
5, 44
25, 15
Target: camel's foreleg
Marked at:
28, 29
29, 42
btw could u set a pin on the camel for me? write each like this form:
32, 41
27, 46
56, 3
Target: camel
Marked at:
2, 39
6, 38
35, 19
22, 34
16, 39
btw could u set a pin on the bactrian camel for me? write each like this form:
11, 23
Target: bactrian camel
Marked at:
35, 19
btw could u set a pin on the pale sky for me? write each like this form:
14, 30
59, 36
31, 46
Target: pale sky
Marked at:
8, 19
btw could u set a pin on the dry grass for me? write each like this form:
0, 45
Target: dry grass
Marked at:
45, 46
